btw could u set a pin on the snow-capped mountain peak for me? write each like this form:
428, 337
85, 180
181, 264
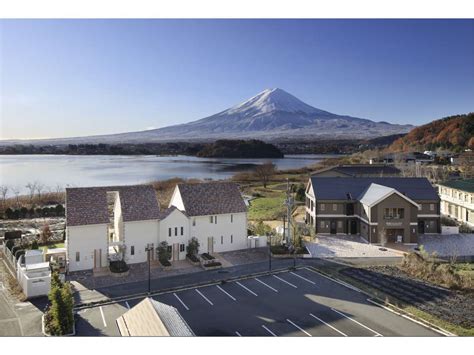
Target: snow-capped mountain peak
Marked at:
272, 100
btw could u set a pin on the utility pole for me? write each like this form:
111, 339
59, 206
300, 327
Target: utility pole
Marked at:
289, 206
149, 249
269, 237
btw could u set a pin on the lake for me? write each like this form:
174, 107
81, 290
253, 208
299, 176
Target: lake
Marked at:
100, 170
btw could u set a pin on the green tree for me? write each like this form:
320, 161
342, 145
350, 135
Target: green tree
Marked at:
34, 245
193, 246
60, 319
300, 193
163, 253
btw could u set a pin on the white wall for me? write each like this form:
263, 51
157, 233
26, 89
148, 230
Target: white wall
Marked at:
86, 239
224, 228
175, 219
118, 219
139, 234
176, 199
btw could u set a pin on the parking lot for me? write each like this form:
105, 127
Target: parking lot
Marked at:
291, 303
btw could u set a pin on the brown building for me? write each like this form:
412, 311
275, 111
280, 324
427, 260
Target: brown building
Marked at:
394, 208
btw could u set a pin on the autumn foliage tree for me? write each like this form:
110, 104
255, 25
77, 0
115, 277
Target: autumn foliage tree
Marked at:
265, 172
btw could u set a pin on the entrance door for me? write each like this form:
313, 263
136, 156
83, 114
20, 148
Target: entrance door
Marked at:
353, 226
210, 245
176, 251
421, 227
333, 229
97, 258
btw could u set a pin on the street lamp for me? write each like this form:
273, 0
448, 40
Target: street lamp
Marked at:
148, 249
269, 237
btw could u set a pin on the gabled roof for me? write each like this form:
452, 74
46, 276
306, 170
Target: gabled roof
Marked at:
88, 205
376, 193
166, 212
328, 188
153, 318
211, 198
463, 185
355, 170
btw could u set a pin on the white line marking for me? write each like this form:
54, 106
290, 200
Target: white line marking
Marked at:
103, 318
238, 334
297, 326
207, 299
329, 325
126, 303
228, 294
303, 278
263, 283
362, 325
279, 278
345, 284
249, 290
268, 330
179, 299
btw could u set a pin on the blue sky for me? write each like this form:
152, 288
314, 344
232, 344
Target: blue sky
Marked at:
81, 77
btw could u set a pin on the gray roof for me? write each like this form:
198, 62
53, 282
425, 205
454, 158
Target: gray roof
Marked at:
88, 205
362, 169
172, 319
166, 212
328, 188
211, 198
463, 185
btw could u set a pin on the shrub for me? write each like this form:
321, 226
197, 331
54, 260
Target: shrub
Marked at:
193, 246
10, 244
165, 262
118, 266
163, 253
34, 245
59, 319
46, 234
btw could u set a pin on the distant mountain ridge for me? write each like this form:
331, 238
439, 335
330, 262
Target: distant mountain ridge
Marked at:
271, 114
453, 132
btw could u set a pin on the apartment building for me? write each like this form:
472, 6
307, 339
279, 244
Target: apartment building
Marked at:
457, 200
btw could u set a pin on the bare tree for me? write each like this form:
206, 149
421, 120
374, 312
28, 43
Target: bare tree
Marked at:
39, 190
466, 163
3, 192
264, 172
31, 186
16, 192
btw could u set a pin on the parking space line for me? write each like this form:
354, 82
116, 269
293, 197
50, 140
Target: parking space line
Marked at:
297, 326
345, 284
238, 334
303, 278
249, 290
362, 325
103, 317
126, 303
268, 330
207, 299
329, 325
279, 278
180, 301
263, 283
228, 294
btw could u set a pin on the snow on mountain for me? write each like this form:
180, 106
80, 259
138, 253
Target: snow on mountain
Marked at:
271, 114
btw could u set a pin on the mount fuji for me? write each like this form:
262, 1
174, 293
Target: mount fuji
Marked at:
271, 114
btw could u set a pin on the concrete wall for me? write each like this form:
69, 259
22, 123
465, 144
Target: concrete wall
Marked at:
86, 239
226, 235
139, 234
175, 219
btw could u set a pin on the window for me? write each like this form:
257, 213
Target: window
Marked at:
231, 238
312, 206
194, 222
394, 213
231, 218
222, 239
78, 256
431, 206
182, 230
169, 232
215, 219
334, 207
211, 219
132, 250
322, 224
181, 248
323, 207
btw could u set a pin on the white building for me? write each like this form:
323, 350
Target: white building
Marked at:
33, 274
104, 223
457, 200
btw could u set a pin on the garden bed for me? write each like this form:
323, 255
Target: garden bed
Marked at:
207, 256
193, 259
165, 265
212, 265
281, 251
118, 267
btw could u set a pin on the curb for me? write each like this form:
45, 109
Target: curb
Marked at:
43, 330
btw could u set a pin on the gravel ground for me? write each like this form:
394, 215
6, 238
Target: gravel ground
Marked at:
346, 247
453, 306
31, 228
449, 245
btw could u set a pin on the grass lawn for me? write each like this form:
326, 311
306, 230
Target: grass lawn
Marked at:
52, 246
266, 208
466, 269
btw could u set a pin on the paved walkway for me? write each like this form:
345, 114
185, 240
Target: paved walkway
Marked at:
346, 247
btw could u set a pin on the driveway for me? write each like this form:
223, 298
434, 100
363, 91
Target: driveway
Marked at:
326, 246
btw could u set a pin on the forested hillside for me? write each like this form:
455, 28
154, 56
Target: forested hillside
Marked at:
453, 133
